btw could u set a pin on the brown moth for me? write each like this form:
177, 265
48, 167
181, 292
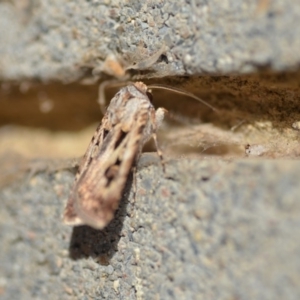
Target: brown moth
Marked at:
129, 122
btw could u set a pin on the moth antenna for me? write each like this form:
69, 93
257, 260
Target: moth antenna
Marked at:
233, 128
182, 92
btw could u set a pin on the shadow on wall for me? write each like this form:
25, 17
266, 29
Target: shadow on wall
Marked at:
100, 244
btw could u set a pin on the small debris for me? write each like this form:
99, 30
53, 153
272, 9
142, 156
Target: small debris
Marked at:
296, 125
255, 150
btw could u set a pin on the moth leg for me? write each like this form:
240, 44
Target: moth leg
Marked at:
134, 182
156, 120
159, 152
134, 188
101, 95
101, 92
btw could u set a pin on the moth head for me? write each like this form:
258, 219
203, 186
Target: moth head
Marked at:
144, 89
141, 86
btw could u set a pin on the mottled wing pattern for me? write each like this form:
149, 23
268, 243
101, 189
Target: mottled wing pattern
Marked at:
70, 216
100, 189
108, 161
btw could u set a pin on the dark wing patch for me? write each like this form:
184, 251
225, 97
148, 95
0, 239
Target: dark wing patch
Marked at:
70, 216
100, 189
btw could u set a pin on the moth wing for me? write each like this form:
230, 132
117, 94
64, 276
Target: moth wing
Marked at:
100, 189
70, 217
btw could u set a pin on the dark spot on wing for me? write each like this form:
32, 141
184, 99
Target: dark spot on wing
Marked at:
141, 128
120, 139
111, 173
105, 133
106, 141
118, 162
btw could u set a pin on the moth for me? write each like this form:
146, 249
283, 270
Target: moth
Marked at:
129, 122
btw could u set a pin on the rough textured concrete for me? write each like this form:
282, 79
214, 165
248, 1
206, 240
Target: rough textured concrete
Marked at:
229, 238
217, 225
66, 40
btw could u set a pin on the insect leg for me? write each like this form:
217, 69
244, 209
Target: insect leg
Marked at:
134, 182
156, 119
101, 93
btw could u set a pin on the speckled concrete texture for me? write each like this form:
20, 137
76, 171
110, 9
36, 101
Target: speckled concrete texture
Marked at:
190, 234
223, 222
67, 40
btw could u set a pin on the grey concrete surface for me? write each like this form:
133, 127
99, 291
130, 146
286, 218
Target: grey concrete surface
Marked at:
218, 228
205, 230
61, 40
